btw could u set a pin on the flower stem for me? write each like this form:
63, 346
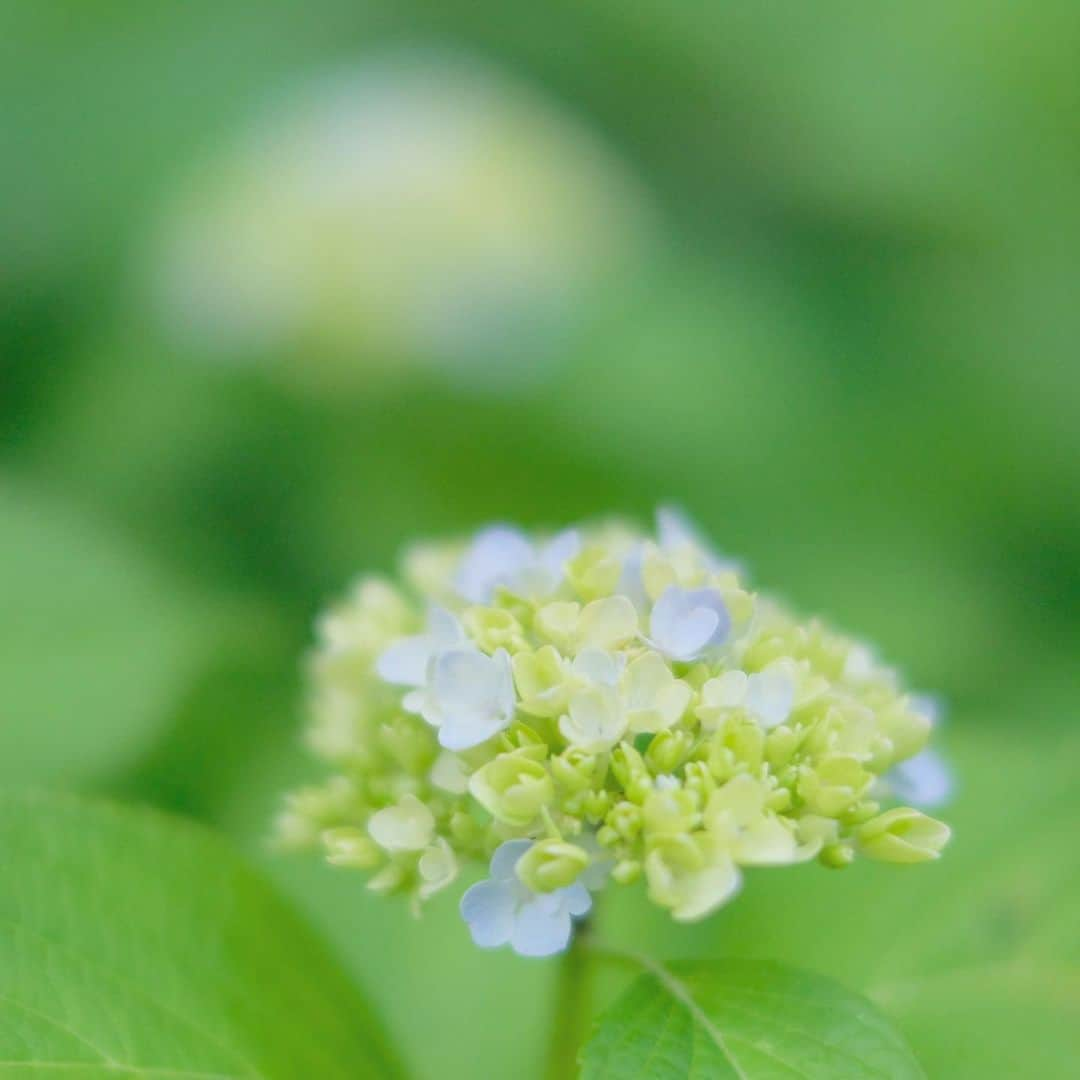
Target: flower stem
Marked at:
570, 1015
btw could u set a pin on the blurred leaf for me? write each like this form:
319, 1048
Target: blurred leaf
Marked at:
743, 1019
987, 1021
244, 701
133, 943
95, 643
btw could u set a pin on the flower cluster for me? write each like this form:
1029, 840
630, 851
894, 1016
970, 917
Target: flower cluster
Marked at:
600, 705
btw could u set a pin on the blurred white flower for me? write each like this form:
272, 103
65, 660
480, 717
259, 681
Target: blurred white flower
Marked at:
420, 208
501, 556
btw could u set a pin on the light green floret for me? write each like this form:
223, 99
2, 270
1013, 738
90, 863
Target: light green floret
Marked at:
622, 700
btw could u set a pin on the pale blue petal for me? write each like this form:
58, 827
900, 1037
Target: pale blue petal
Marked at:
540, 933
488, 908
924, 781
506, 858
576, 899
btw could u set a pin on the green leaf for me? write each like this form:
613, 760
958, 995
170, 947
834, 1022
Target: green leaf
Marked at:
977, 956
132, 944
743, 1019
95, 644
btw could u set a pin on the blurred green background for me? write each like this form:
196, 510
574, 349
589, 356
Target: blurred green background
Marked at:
284, 287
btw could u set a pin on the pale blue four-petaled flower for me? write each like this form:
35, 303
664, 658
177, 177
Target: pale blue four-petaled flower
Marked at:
469, 696
503, 910
685, 624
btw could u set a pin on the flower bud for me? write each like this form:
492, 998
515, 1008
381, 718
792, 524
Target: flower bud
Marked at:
903, 835
625, 818
574, 769
551, 864
833, 785
667, 751
512, 788
494, 628
594, 572
739, 743
543, 681
670, 812
350, 847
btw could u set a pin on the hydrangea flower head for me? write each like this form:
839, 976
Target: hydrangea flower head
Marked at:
600, 705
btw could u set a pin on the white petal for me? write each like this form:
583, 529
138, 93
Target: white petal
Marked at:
770, 696
405, 663
598, 666
443, 629
463, 732
408, 826
674, 530
463, 679
538, 932
706, 890
488, 908
928, 706
448, 774
416, 702
632, 582
505, 699
497, 555
608, 623
559, 551
596, 720
727, 691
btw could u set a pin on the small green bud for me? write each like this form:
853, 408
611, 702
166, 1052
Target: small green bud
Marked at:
837, 856
551, 864
543, 681
574, 769
351, 847
626, 871
628, 765
625, 818
667, 751
699, 780
513, 788
494, 628
594, 572
390, 879
738, 745
409, 744
834, 784
903, 835
670, 812
465, 830
597, 804
780, 745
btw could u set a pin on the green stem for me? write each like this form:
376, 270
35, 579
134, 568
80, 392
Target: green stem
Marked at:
571, 1008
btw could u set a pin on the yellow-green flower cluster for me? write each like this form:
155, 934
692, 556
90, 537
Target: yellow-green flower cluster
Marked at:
600, 703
